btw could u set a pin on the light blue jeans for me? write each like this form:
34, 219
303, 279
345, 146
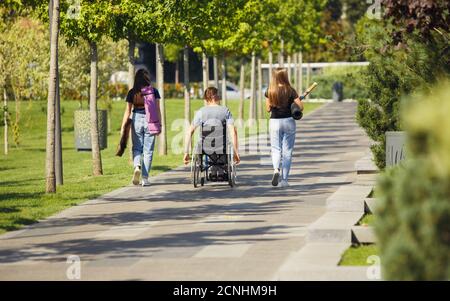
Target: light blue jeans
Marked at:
282, 140
143, 144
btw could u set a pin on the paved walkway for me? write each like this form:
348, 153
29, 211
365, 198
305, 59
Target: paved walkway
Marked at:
171, 231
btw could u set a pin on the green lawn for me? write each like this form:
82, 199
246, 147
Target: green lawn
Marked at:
367, 220
22, 175
357, 255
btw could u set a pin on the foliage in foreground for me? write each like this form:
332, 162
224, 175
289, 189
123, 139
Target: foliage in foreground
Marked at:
413, 212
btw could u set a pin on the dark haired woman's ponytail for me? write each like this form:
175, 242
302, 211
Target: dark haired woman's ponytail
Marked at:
141, 80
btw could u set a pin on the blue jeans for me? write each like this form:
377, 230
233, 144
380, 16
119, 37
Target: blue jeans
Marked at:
282, 140
143, 143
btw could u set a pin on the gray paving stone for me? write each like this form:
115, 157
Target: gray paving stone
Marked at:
333, 227
366, 165
370, 204
171, 231
364, 234
223, 251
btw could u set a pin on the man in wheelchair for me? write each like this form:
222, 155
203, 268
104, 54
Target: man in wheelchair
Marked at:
213, 159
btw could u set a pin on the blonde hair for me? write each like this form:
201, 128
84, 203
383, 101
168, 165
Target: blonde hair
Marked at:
279, 88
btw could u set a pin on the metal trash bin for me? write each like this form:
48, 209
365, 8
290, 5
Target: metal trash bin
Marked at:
338, 91
82, 129
395, 147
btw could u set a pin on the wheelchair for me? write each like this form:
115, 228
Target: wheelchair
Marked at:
212, 159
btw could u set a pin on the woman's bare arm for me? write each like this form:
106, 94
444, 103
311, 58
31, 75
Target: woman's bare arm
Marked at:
299, 103
126, 114
235, 140
187, 143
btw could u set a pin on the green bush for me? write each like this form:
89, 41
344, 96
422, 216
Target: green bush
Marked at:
393, 73
350, 78
413, 213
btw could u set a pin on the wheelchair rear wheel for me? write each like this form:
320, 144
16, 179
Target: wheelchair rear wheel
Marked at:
196, 171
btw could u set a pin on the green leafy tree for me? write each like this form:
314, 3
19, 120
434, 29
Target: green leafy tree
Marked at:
394, 72
91, 23
172, 54
134, 21
24, 67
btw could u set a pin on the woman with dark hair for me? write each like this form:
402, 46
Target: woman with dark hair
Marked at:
279, 98
143, 101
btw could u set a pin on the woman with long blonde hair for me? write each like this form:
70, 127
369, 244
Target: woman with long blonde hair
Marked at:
279, 98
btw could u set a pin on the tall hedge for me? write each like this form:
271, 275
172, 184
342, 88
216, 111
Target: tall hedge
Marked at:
394, 71
413, 213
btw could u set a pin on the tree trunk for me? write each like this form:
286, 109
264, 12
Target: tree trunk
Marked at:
295, 71
224, 81
216, 72
300, 73
281, 55
270, 64
187, 98
58, 141
95, 146
50, 185
58, 138
260, 91
160, 84
5, 119
177, 72
131, 75
308, 76
131, 61
205, 72
242, 88
252, 111
289, 67
16, 126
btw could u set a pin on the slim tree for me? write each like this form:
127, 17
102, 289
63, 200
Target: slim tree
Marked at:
224, 80
187, 99
92, 22
260, 91
97, 169
127, 22
50, 185
216, 72
242, 90
252, 111
160, 84
58, 141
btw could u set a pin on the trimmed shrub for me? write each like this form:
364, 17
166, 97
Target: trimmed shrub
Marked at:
354, 88
413, 213
393, 73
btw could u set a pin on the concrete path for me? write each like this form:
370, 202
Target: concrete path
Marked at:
171, 231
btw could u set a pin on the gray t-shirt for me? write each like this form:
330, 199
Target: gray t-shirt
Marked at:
212, 118
213, 113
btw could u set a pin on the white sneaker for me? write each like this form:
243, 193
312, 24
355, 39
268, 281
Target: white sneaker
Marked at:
136, 175
145, 182
284, 183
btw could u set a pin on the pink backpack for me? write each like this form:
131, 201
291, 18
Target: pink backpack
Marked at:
151, 111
